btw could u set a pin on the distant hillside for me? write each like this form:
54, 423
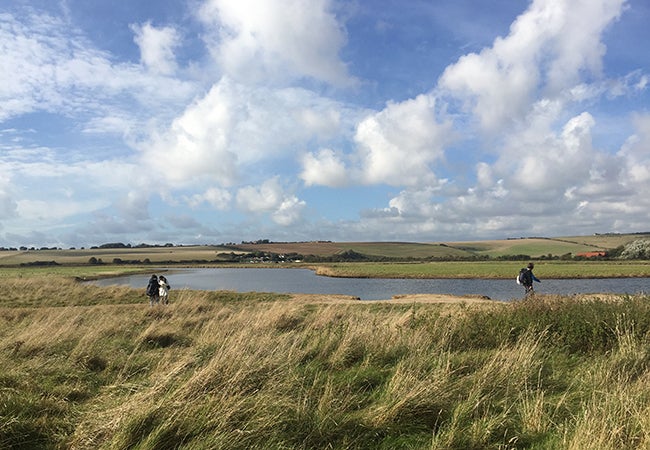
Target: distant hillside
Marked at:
534, 247
372, 249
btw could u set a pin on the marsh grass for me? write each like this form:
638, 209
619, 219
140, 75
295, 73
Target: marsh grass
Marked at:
86, 368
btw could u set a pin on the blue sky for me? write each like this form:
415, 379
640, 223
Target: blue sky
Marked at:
217, 121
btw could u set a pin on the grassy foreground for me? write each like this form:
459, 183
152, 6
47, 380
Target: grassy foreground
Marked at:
85, 367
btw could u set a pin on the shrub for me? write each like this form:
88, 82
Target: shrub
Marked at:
639, 249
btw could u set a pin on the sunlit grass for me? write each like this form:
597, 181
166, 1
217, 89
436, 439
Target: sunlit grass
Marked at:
487, 269
90, 368
77, 272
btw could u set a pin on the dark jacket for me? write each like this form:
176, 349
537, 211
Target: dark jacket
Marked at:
528, 281
152, 287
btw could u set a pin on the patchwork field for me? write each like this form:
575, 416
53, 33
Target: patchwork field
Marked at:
533, 247
385, 249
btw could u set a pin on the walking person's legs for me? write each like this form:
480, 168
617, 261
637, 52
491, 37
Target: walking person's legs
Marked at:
529, 290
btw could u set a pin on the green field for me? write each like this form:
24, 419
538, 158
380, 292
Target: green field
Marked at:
532, 247
85, 367
487, 269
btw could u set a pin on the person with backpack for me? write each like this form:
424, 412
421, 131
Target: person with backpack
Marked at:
153, 290
163, 290
526, 278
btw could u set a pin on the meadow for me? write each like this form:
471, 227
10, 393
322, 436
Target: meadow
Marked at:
85, 367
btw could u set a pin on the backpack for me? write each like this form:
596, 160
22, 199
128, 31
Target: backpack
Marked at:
152, 288
524, 277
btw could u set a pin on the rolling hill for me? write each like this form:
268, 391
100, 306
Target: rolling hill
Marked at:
534, 247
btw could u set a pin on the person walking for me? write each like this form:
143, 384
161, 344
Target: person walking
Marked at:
526, 278
153, 290
163, 290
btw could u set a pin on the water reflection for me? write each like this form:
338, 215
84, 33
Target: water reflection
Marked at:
305, 281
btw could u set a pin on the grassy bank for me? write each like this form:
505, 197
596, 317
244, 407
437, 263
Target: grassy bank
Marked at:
86, 367
487, 269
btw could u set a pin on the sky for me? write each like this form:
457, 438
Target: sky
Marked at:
214, 121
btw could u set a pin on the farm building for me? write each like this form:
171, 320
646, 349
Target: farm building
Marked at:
591, 254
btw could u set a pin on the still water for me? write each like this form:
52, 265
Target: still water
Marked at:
307, 282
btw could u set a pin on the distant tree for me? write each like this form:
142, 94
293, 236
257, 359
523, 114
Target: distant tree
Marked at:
349, 255
616, 252
113, 245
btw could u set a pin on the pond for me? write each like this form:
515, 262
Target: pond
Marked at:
307, 282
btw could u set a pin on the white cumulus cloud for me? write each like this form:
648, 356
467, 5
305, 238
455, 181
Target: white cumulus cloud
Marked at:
157, 47
398, 145
324, 168
257, 40
216, 197
548, 49
270, 197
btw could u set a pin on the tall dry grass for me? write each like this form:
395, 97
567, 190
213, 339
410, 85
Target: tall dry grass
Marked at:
89, 368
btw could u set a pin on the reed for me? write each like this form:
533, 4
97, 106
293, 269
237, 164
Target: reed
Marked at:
89, 368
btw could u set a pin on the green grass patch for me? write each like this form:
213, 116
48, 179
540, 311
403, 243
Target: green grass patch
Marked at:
534, 247
487, 269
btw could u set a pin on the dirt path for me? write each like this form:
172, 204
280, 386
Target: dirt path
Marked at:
411, 298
